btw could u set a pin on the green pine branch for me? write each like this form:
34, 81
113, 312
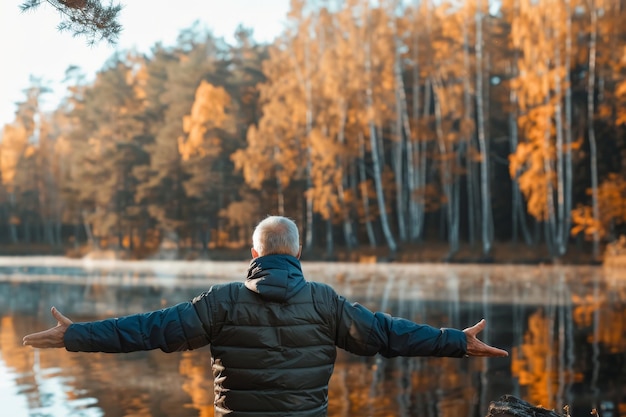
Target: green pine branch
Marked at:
88, 18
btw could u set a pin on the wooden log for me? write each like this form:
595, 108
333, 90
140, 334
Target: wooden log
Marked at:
510, 406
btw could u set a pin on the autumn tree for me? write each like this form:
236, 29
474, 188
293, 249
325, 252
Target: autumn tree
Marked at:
173, 76
12, 148
538, 160
210, 124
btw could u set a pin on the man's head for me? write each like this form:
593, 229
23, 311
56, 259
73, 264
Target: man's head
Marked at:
276, 235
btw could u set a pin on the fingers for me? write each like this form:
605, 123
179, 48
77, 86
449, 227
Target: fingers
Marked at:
60, 317
477, 328
34, 338
489, 351
476, 347
51, 338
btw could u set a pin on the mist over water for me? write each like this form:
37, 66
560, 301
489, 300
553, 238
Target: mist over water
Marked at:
564, 328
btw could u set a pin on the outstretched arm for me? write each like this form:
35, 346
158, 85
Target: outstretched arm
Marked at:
51, 338
364, 332
476, 347
171, 329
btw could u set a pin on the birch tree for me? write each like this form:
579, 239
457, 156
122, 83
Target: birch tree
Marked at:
370, 61
485, 185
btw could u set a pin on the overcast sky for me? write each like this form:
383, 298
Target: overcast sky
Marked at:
31, 45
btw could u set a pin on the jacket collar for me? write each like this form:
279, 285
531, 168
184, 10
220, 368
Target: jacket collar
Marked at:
275, 277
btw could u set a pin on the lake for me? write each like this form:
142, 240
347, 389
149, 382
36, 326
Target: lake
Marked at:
564, 327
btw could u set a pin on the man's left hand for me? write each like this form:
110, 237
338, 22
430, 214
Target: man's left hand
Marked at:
476, 347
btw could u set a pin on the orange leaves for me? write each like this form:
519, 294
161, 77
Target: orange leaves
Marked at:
256, 160
538, 88
12, 147
620, 93
612, 208
530, 165
208, 114
583, 222
531, 361
326, 175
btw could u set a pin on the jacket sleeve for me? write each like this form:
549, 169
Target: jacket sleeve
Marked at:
171, 329
364, 332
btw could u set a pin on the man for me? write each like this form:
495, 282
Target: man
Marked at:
273, 337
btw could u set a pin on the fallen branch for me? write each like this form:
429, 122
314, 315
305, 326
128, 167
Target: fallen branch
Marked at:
510, 406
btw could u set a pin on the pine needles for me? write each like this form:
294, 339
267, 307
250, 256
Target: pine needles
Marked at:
88, 18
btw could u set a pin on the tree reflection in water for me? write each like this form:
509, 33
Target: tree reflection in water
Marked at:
564, 327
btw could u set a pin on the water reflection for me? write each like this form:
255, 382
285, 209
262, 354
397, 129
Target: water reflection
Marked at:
565, 329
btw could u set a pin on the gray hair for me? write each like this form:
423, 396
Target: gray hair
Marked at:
276, 235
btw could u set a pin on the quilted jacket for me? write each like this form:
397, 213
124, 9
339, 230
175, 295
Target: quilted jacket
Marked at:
273, 338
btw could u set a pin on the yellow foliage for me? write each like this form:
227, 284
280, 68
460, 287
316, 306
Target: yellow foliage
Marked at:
12, 147
30, 151
533, 362
620, 93
611, 207
210, 111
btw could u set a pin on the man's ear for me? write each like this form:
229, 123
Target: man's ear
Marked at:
255, 254
299, 252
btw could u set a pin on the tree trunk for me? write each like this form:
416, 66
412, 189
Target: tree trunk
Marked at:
308, 94
49, 232
468, 137
58, 237
485, 188
365, 194
447, 178
376, 164
415, 210
517, 207
568, 123
398, 171
348, 231
550, 217
308, 238
593, 149
561, 234
330, 247
402, 123
90, 237
12, 225
26, 225
280, 196
422, 158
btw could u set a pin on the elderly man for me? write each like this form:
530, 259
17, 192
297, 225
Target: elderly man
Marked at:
273, 337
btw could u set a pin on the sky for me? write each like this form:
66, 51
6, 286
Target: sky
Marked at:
31, 45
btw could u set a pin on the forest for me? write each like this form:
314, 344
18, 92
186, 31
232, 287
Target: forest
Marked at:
376, 126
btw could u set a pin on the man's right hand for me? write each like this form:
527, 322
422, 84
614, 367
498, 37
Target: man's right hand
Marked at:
51, 338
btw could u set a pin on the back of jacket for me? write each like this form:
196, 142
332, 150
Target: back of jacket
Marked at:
273, 338
272, 341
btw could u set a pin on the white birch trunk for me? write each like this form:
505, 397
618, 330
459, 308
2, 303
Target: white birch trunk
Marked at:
447, 177
376, 164
485, 188
560, 237
593, 148
568, 122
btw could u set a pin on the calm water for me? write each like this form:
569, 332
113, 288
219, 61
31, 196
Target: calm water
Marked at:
565, 329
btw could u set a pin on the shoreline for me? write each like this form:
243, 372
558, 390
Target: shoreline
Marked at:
502, 253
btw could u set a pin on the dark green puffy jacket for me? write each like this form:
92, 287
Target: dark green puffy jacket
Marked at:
273, 338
